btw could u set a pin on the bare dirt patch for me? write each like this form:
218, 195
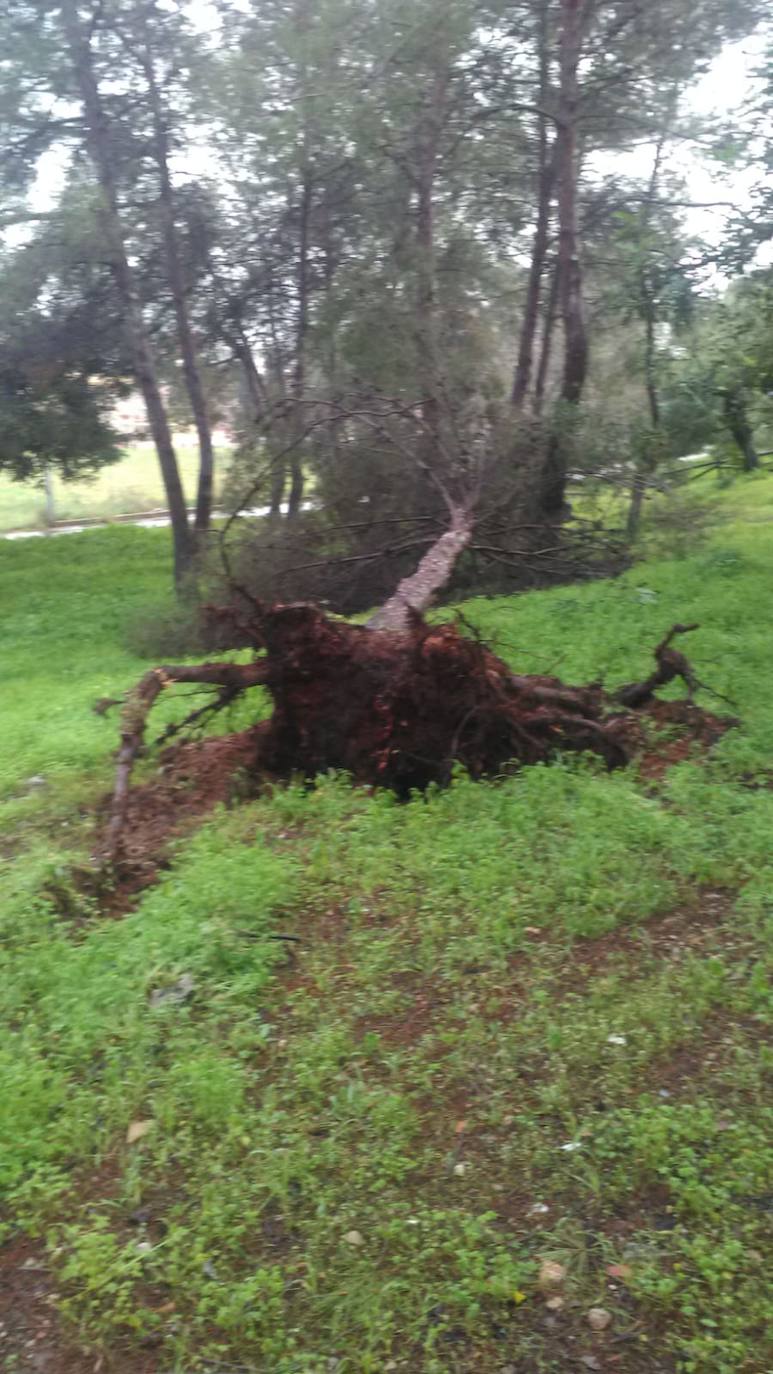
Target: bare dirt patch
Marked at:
32, 1337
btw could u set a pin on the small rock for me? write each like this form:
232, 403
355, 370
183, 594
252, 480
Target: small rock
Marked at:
137, 1129
599, 1318
555, 1304
590, 1362
354, 1238
177, 993
460, 1170
551, 1275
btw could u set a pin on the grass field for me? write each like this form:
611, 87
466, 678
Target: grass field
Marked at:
132, 484
526, 1022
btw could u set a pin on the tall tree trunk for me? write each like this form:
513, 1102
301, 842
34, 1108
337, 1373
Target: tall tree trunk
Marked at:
545, 177
552, 486
252, 379
295, 497
100, 151
548, 327
176, 278
425, 332
276, 371
647, 461
235, 336
737, 420
572, 306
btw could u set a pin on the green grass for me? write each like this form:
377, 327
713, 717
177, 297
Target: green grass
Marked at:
132, 484
526, 1020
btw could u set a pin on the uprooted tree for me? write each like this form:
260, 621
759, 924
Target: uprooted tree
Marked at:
397, 702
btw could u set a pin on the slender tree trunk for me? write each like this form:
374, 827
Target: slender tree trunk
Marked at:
551, 314
235, 336
276, 365
176, 277
426, 285
545, 178
737, 422
295, 498
552, 484
252, 379
100, 151
572, 306
647, 462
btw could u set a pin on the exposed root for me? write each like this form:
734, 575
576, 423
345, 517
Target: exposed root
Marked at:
397, 708
231, 677
671, 665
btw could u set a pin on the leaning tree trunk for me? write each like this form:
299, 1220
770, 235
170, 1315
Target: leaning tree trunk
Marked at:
101, 154
415, 593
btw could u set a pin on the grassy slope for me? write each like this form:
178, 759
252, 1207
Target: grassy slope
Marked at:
359, 1159
132, 484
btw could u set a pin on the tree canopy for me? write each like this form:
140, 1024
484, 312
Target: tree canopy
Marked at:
391, 239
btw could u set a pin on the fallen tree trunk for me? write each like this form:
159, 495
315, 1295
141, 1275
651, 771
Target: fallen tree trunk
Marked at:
415, 593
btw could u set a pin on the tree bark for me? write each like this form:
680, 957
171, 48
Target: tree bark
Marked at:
295, 498
415, 593
191, 370
552, 481
545, 179
99, 148
646, 463
647, 304
428, 152
572, 306
548, 327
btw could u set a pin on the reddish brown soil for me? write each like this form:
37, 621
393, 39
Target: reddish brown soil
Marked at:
31, 1333
690, 731
192, 779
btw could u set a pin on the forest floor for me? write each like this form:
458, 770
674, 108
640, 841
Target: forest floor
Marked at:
470, 1085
